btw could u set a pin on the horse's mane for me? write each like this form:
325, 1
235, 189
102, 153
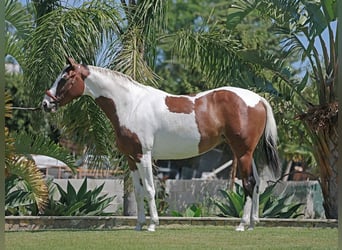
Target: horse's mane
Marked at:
115, 74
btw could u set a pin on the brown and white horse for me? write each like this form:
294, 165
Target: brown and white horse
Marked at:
152, 124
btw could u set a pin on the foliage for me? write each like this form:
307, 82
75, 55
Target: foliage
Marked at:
270, 206
19, 199
19, 166
278, 207
25, 120
233, 202
81, 203
17, 25
193, 210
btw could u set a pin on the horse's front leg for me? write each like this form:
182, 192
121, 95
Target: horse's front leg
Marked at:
146, 174
255, 199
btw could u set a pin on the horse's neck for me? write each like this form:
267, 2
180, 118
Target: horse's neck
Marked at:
110, 84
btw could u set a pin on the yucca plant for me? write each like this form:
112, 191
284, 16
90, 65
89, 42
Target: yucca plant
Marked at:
233, 202
270, 206
80, 203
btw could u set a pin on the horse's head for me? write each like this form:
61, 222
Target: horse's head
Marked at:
68, 86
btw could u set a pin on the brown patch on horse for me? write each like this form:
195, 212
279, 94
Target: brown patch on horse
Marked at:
128, 142
179, 104
72, 85
217, 121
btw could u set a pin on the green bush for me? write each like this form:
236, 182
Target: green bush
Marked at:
270, 206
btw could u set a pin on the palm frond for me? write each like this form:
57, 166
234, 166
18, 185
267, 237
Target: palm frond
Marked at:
135, 48
215, 53
221, 59
27, 170
13, 47
152, 18
130, 58
17, 19
75, 32
8, 105
26, 144
85, 124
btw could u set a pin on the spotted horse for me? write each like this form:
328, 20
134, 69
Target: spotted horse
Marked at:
152, 124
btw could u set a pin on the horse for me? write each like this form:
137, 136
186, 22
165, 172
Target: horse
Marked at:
151, 124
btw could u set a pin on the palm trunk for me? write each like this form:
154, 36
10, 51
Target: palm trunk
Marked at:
326, 152
322, 123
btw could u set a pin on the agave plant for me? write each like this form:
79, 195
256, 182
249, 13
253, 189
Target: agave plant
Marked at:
80, 203
193, 210
232, 205
270, 206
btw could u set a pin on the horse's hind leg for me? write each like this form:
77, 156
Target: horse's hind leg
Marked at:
250, 181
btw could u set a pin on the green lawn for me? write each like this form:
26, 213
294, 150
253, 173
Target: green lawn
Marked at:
176, 237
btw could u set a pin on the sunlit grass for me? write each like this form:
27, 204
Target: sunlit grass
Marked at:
177, 237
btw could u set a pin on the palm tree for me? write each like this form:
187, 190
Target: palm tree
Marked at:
223, 59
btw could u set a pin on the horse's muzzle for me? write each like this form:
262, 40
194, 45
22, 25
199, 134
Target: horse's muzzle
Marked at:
49, 106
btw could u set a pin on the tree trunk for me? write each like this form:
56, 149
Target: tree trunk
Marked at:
326, 152
322, 125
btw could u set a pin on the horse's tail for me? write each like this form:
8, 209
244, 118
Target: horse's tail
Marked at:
270, 140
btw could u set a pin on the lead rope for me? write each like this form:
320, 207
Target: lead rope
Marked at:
25, 108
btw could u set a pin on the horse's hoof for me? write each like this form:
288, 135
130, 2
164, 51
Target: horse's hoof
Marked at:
240, 228
151, 228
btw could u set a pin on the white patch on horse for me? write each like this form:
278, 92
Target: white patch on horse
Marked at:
249, 97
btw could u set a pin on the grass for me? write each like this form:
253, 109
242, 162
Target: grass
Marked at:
176, 237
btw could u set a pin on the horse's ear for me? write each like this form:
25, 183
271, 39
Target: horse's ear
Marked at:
71, 61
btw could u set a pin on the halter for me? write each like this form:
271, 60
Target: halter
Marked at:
57, 99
